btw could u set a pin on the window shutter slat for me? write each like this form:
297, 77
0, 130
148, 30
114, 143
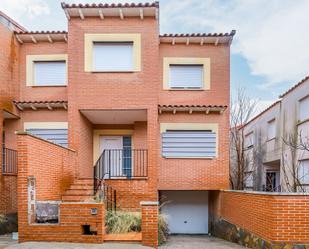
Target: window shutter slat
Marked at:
58, 136
49, 73
186, 76
189, 144
112, 56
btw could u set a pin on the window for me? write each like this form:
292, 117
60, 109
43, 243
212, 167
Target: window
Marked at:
57, 136
249, 140
48, 73
186, 76
113, 56
188, 144
303, 172
271, 129
248, 179
304, 109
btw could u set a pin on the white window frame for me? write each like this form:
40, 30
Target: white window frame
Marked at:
300, 118
302, 171
187, 86
269, 125
119, 69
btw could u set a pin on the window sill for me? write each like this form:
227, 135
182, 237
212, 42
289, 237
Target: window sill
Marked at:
185, 89
129, 71
209, 158
37, 86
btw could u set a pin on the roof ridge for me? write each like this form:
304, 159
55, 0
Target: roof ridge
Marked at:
295, 86
42, 32
232, 33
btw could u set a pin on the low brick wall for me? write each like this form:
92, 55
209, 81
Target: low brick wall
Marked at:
8, 194
69, 229
277, 219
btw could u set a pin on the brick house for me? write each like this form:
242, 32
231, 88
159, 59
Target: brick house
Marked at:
112, 108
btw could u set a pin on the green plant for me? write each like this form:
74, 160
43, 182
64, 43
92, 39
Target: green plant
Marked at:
123, 222
2, 218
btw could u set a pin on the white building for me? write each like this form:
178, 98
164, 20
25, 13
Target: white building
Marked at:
275, 165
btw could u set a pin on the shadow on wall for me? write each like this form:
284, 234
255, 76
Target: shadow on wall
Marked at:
8, 223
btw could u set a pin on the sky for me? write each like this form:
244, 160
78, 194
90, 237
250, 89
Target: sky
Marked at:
270, 51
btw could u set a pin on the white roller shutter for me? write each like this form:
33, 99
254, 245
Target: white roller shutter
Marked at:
186, 76
117, 56
304, 109
49, 73
189, 144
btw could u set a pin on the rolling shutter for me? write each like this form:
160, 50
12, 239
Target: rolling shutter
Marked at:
57, 136
186, 76
189, 144
304, 109
117, 56
49, 73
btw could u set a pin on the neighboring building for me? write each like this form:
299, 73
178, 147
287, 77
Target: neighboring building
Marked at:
268, 142
145, 115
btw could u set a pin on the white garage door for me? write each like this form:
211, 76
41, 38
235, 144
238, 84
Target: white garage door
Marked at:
186, 211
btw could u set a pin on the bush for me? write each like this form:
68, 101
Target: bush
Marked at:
163, 229
125, 222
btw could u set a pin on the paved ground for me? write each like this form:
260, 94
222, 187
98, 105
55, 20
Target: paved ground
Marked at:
175, 242
198, 242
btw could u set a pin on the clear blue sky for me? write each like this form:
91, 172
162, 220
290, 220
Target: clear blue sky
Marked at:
270, 52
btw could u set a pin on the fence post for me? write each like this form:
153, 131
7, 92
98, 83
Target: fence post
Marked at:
150, 219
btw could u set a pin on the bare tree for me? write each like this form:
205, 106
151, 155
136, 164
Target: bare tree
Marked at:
296, 144
242, 109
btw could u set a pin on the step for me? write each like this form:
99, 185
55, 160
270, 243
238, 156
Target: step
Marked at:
74, 198
125, 237
81, 186
71, 191
86, 181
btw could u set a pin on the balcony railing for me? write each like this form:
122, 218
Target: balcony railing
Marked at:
120, 164
9, 161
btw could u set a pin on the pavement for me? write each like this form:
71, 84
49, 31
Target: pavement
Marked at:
174, 242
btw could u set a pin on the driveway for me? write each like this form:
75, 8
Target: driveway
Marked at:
198, 242
174, 242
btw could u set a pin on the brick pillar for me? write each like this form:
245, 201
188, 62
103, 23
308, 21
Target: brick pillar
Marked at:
150, 212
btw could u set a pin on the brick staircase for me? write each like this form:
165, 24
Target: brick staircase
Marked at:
80, 191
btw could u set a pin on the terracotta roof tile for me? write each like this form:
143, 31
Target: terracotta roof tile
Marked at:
41, 32
191, 106
232, 33
40, 102
113, 5
295, 86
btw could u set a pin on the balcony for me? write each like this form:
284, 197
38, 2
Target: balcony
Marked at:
9, 161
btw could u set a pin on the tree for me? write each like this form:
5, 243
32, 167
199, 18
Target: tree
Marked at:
242, 109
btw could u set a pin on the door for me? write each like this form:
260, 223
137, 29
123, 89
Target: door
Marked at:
113, 155
186, 211
270, 181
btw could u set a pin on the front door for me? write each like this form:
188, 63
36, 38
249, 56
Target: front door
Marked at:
113, 146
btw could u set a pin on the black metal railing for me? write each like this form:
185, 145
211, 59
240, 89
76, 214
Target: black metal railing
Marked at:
120, 164
9, 161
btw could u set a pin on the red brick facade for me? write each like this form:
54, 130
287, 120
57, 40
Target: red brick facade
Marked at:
276, 218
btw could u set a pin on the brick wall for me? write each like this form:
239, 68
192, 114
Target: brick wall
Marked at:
196, 174
8, 194
69, 229
150, 212
276, 218
53, 166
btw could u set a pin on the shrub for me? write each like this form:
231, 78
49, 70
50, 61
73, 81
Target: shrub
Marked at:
123, 222
163, 229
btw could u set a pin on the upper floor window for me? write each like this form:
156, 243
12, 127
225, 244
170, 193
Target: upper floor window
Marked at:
304, 109
271, 129
249, 140
48, 73
303, 172
113, 56
186, 76
46, 70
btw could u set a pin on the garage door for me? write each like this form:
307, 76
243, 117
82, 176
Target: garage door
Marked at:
186, 211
